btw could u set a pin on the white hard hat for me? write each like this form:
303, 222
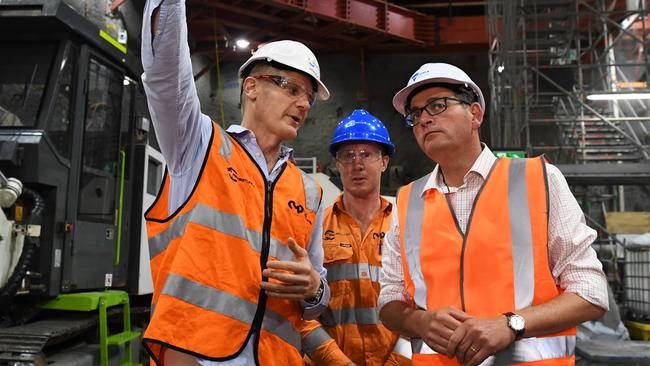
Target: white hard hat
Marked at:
435, 73
293, 54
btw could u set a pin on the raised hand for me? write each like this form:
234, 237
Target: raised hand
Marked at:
294, 280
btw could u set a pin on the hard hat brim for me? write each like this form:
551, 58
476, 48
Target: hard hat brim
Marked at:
399, 100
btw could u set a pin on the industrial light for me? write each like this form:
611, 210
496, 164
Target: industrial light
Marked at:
500, 68
242, 43
619, 96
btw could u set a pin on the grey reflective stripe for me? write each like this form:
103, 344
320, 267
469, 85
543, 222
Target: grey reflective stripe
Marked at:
229, 305
223, 222
209, 298
352, 271
412, 237
355, 316
522, 351
314, 340
312, 199
225, 149
536, 349
281, 327
521, 234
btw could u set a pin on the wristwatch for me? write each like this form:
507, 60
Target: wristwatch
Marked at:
517, 323
319, 294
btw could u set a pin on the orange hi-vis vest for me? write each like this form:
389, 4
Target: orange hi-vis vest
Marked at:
499, 265
207, 259
350, 327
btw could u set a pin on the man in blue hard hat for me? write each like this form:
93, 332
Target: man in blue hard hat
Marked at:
349, 331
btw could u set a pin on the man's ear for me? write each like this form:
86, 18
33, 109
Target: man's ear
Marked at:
384, 160
250, 88
477, 115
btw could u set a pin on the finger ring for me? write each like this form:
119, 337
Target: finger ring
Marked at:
474, 349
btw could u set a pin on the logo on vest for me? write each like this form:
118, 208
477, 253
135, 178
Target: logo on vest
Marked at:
329, 235
234, 176
343, 245
379, 235
294, 206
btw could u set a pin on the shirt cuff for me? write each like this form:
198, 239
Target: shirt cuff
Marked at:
313, 311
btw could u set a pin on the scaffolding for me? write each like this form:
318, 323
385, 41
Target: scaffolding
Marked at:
547, 60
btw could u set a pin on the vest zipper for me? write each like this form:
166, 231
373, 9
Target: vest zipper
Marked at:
462, 250
466, 233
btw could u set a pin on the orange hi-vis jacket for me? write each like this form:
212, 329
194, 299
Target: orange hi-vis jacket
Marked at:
207, 259
499, 265
350, 328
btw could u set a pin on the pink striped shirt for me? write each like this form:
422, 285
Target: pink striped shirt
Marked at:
573, 262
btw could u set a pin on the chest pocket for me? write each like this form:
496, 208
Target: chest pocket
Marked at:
337, 252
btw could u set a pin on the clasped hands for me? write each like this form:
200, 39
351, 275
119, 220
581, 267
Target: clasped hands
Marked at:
471, 340
293, 280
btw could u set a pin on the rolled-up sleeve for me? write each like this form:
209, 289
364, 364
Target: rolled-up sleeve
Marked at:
573, 261
391, 279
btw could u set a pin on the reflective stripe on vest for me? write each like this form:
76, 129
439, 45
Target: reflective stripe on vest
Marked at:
412, 237
521, 233
223, 222
229, 305
403, 347
353, 271
314, 340
312, 194
354, 316
226, 145
523, 350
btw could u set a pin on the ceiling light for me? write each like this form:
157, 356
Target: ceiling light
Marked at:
619, 96
242, 43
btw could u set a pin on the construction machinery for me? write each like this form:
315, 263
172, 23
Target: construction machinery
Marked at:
82, 164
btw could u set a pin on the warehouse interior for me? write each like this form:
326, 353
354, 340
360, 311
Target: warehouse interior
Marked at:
563, 78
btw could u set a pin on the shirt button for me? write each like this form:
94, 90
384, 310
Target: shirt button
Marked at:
158, 32
257, 155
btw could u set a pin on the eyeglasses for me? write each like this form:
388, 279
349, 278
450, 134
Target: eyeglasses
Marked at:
433, 108
348, 157
293, 88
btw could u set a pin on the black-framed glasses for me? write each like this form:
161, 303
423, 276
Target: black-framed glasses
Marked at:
434, 107
365, 156
290, 86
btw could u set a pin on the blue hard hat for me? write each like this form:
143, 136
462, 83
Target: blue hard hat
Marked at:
361, 126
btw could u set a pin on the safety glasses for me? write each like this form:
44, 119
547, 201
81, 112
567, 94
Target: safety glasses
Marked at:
434, 107
290, 86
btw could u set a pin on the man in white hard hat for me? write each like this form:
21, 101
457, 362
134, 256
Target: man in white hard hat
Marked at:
488, 261
235, 233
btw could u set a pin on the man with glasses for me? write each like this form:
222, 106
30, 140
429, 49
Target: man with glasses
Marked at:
488, 261
349, 331
235, 233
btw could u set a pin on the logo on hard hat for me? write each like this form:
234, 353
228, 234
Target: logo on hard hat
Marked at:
418, 74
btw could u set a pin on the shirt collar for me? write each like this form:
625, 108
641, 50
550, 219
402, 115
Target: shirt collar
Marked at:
386, 205
247, 136
481, 167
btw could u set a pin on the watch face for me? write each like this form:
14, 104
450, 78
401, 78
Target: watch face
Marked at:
516, 322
